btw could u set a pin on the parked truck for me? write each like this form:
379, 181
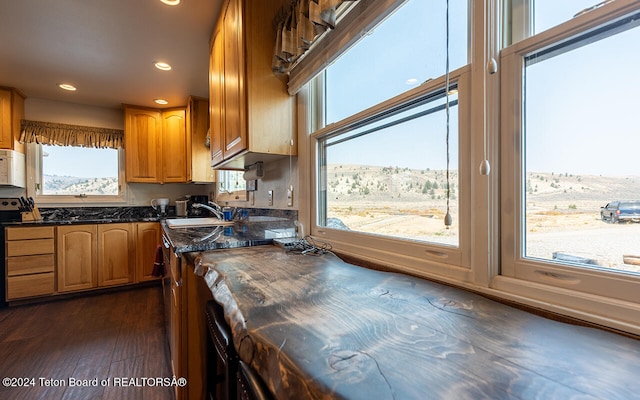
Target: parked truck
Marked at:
618, 211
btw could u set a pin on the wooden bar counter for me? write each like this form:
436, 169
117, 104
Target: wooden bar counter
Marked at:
315, 327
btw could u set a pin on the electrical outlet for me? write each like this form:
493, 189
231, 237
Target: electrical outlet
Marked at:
290, 196
270, 197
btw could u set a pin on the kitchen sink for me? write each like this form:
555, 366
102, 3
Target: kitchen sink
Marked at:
196, 222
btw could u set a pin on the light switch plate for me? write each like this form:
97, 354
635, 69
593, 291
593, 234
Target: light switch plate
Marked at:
270, 197
290, 196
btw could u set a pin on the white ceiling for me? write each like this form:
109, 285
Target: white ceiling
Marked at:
106, 48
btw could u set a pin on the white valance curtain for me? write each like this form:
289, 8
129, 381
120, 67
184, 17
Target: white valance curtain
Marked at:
70, 135
308, 22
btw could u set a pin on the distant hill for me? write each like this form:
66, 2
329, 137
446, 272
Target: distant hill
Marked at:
73, 185
351, 183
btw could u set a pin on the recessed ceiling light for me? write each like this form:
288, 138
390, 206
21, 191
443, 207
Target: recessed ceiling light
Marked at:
411, 81
67, 86
171, 2
161, 101
162, 66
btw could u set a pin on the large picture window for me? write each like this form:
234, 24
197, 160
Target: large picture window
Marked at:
580, 142
389, 177
389, 163
570, 186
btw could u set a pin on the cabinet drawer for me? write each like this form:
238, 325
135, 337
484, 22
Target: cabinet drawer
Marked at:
30, 285
30, 264
41, 232
30, 247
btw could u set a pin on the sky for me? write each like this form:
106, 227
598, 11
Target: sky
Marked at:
95, 163
579, 120
585, 120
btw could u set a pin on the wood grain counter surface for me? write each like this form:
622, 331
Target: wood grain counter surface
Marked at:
319, 328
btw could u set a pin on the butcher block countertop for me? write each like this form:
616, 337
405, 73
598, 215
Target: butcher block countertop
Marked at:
315, 327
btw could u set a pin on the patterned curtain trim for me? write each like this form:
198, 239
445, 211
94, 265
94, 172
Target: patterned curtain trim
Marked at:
71, 135
298, 26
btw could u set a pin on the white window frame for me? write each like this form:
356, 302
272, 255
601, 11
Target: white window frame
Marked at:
606, 297
34, 183
407, 255
223, 192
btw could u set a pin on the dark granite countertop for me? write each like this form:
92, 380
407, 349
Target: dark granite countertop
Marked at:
256, 231
92, 215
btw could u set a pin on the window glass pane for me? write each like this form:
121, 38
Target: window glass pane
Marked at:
68, 170
549, 13
530, 17
388, 177
407, 49
581, 151
231, 181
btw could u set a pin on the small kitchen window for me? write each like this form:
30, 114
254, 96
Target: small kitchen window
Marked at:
73, 164
231, 186
69, 174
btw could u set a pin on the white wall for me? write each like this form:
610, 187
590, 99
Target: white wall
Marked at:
73, 114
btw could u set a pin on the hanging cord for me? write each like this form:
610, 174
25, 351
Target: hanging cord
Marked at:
447, 218
307, 246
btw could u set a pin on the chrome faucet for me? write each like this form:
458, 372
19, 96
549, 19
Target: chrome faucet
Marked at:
214, 208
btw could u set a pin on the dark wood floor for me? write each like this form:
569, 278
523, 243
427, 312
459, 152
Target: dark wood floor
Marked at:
108, 336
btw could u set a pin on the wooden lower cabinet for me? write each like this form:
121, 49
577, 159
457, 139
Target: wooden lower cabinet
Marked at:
91, 256
116, 254
45, 260
196, 331
77, 257
147, 239
30, 262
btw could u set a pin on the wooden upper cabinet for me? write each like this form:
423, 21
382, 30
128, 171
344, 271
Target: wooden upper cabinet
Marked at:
257, 112
235, 138
198, 141
142, 145
174, 146
155, 145
216, 98
11, 115
116, 254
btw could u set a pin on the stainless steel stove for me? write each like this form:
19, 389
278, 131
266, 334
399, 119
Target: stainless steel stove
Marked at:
9, 212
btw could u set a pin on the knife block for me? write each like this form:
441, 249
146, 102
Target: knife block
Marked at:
33, 215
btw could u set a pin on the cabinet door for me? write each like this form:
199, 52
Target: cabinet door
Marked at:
143, 146
235, 135
216, 98
147, 240
116, 254
174, 145
197, 130
11, 114
6, 134
76, 256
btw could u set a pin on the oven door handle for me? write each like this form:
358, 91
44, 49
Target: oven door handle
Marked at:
165, 242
